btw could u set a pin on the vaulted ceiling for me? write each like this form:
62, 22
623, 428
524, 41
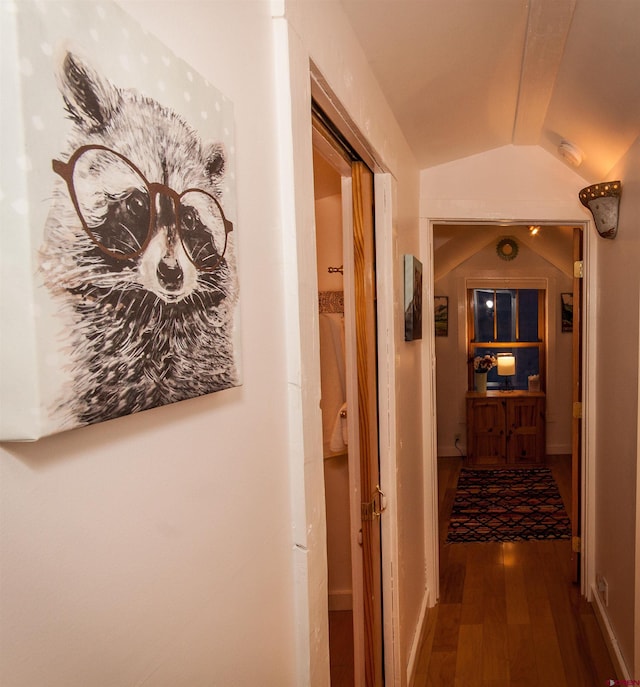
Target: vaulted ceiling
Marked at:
466, 76
453, 244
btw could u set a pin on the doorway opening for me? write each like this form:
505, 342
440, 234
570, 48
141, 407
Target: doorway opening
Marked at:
470, 256
343, 188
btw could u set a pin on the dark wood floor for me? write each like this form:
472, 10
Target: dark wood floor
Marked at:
341, 648
508, 613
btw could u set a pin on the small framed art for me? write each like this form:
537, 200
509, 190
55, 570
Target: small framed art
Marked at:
412, 298
566, 306
441, 315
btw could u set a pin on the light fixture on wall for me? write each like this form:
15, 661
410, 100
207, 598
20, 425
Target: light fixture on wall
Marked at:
506, 368
603, 201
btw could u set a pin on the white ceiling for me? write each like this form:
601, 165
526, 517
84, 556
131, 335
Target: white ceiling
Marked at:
466, 76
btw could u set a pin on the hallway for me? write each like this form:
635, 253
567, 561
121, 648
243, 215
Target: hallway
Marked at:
508, 613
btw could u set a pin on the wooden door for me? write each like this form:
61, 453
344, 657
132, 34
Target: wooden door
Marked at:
366, 345
361, 363
486, 426
576, 382
525, 430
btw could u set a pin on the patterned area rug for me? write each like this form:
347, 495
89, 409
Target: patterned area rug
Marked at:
507, 505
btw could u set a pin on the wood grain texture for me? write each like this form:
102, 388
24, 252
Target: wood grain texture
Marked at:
341, 648
511, 615
576, 397
365, 326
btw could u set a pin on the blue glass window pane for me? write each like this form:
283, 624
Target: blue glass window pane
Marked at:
527, 363
505, 310
483, 308
528, 314
501, 305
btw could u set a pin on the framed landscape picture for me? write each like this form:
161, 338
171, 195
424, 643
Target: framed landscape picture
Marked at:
412, 298
441, 315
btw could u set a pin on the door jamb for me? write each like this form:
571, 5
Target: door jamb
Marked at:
589, 395
383, 237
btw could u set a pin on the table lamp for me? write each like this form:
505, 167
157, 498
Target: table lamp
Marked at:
506, 368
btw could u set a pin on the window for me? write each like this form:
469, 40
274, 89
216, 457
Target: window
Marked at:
508, 321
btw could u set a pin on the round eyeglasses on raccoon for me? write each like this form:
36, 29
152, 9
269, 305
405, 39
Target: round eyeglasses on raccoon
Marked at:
119, 208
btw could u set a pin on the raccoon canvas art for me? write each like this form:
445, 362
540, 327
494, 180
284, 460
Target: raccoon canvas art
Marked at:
137, 253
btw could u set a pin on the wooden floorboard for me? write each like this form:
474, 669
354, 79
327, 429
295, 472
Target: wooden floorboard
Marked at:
508, 614
341, 648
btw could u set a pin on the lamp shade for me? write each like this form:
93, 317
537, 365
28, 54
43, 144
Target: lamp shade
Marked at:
506, 365
603, 201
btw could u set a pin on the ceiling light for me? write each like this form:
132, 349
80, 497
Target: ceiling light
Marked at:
571, 153
603, 200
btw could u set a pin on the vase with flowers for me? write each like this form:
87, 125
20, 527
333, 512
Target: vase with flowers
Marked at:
481, 366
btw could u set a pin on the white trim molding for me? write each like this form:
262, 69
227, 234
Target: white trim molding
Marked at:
619, 665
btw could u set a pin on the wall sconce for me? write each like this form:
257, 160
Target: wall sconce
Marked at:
603, 200
506, 368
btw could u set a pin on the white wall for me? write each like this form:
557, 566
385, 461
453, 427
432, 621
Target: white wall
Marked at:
156, 548
319, 31
512, 183
616, 503
329, 230
451, 351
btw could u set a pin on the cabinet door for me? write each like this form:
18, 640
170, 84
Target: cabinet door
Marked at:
487, 441
525, 430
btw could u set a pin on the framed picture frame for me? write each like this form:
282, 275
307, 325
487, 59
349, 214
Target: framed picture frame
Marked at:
441, 315
412, 298
566, 310
111, 314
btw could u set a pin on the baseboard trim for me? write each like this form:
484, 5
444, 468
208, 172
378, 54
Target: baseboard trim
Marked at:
418, 637
450, 451
619, 665
341, 600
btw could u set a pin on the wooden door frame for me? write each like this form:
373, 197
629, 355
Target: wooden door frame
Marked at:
589, 398
384, 249
372, 508
576, 399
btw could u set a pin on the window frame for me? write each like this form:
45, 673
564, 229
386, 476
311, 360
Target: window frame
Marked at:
507, 346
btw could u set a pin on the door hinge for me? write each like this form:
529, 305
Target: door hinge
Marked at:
376, 507
368, 511
577, 410
575, 544
578, 269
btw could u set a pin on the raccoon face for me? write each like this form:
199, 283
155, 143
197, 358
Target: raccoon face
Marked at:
138, 253
170, 236
144, 191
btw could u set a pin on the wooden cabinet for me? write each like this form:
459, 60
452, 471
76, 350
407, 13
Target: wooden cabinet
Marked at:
505, 428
